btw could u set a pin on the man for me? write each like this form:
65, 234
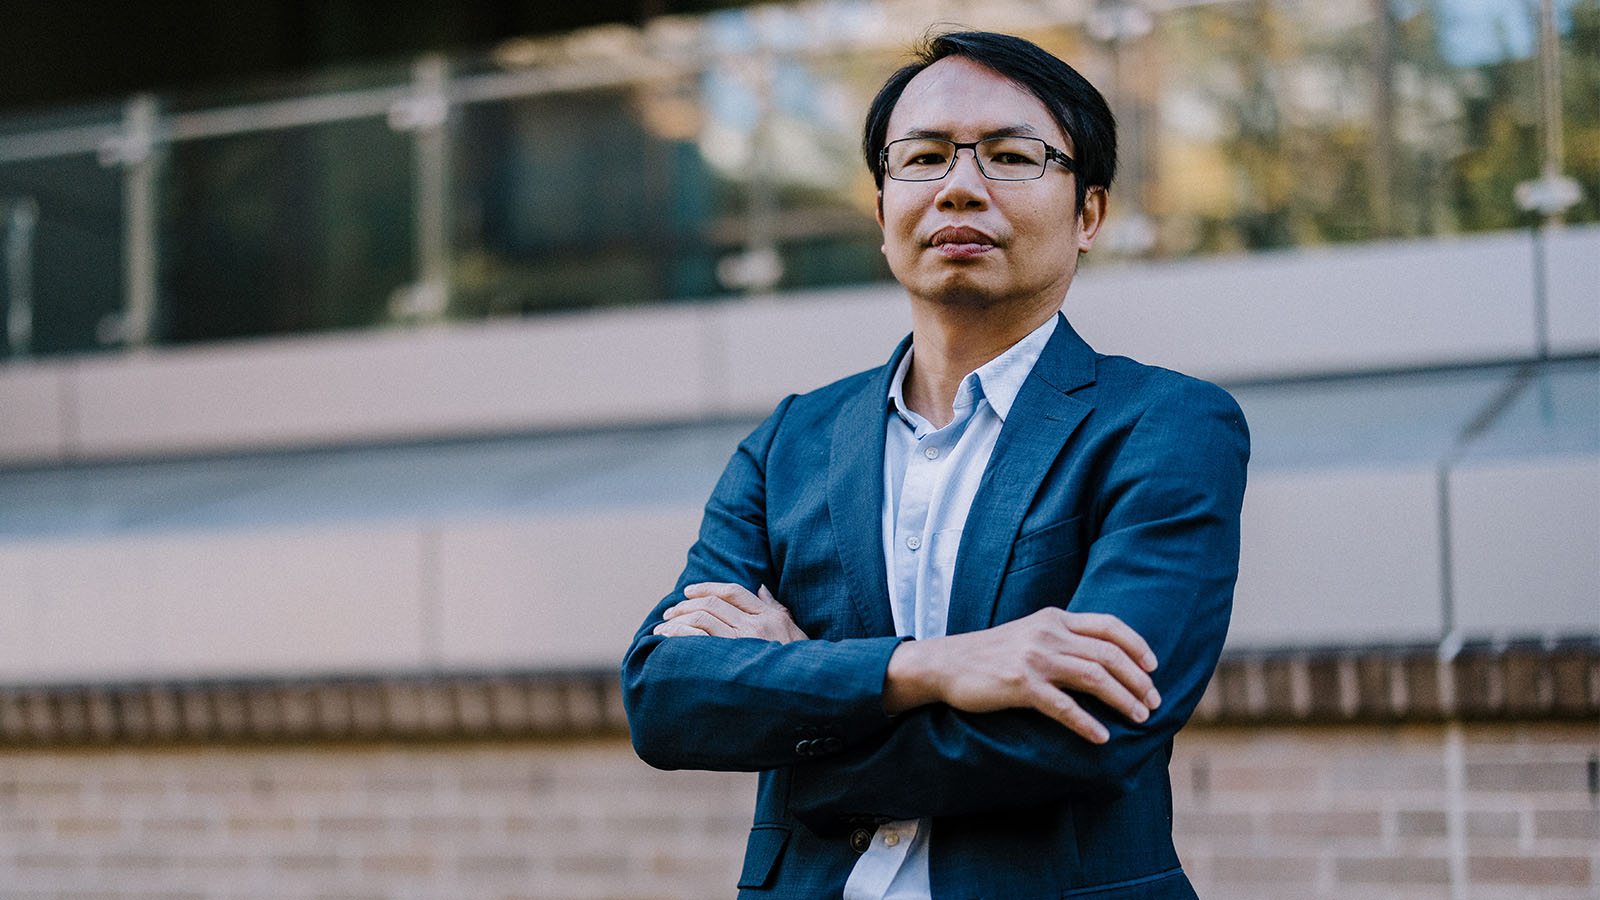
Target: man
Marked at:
955, 608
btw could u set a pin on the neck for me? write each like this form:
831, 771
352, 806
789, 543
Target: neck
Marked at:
951, 342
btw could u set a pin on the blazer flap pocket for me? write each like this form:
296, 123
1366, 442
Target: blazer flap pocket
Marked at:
761, 854
1044, 544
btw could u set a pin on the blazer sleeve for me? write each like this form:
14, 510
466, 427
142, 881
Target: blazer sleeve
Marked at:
1165, 561
745, 704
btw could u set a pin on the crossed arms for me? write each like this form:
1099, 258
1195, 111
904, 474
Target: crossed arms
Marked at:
1064, 700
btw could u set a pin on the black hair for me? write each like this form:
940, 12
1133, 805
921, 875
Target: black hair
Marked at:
1073, 102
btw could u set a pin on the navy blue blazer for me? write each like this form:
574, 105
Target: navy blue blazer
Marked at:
1114, 487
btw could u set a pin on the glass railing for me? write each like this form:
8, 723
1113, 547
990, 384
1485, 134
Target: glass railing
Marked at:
718, 155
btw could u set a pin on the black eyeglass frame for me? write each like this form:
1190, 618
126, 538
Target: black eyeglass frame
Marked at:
1050, 153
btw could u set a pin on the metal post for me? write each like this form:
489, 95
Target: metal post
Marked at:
1552, 193
424, 114
24, 215
134, 150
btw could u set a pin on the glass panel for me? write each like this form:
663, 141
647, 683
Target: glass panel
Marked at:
294, 230
551, 472
824, 198
1285, 123
1557, 411
590, 199
60, 255
1413, 417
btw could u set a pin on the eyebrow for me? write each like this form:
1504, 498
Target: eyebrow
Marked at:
1022, 130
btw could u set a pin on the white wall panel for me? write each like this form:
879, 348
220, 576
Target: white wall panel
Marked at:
573, 371
1355, 308
1338, 557
1525, 538
1573, 280
766, 349
221, 605
555, 591
33, 420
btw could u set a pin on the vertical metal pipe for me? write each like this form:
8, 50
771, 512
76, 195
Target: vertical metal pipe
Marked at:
20, 224
432, 178
137, 157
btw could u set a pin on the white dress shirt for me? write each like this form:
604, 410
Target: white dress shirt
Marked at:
929, 478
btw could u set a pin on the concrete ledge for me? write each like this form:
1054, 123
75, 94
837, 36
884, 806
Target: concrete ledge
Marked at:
1521, 680
455, 707
1525, 681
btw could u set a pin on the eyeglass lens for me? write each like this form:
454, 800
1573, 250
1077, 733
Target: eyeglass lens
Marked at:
1001, 158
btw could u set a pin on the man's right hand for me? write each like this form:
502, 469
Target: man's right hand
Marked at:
1031, 662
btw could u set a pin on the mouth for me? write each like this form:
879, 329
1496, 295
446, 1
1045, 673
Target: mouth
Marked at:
961, 242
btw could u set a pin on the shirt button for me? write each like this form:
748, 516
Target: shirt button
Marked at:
891, 839
931, 453
914, 542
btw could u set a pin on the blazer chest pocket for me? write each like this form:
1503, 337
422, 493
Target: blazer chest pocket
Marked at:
1055, 542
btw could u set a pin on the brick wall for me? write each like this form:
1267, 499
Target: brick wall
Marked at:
1491, 811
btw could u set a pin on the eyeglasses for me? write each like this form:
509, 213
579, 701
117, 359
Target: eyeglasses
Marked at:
999, 158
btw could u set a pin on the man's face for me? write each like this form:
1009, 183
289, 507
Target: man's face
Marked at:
965, 239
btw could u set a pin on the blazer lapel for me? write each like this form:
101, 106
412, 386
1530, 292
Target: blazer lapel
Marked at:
1041, 420
855, 497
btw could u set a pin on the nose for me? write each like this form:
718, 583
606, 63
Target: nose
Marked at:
964, 186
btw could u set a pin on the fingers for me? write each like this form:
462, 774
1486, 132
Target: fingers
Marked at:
1108, 641
1056, 704
1110, 628
732, 594
692, 622
729, 610
716, 608
1098, 655
1102, 680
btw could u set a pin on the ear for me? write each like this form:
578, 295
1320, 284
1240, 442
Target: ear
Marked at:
880, 209
1092, 217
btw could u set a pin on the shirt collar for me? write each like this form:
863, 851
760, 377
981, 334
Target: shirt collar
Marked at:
999, 380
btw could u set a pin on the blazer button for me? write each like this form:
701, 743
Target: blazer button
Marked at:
804, 748
860, 840
832, 745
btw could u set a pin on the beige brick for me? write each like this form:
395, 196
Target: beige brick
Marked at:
1527, 776
1393, 869
414, 863
1420, 823
494, 866
1495, 824
1275, 870
1361, 772
1582, 824
55, 862
138, 862
87, 826
1229, 778
1326, 824
305, 862
1531, 870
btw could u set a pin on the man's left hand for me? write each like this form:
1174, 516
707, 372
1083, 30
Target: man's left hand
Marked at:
729, 610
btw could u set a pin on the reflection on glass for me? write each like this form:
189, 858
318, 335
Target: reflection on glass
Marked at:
61, 269
300, 229
702, 156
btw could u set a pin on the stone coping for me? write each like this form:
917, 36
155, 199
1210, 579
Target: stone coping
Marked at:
1508, 681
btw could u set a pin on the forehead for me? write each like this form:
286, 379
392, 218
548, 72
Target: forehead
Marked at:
960, 99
